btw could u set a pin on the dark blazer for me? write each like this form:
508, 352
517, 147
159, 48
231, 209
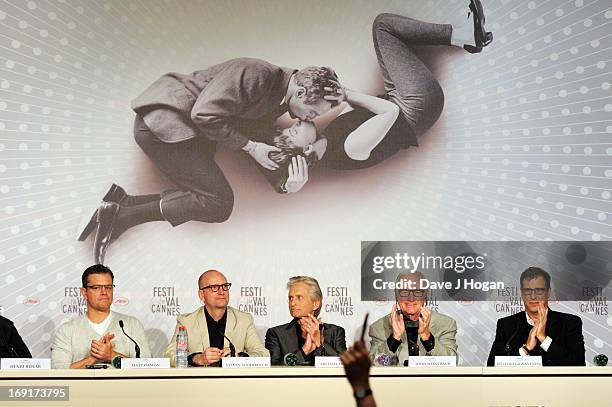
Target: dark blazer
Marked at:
11, 344
565, 330
282, 339
218, 102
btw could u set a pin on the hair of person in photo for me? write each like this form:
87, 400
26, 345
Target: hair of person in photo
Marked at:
315, 79
288, 150
95, 269
315, 290
534, 272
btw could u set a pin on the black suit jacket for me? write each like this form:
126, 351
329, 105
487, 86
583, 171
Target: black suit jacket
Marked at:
565, 330
11, 344
282, 339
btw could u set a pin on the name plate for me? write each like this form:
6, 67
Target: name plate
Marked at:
242, 362
328, 361
432, 361
518, 361
145, 363
25, 363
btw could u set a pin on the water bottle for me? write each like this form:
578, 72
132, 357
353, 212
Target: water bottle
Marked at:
182, 348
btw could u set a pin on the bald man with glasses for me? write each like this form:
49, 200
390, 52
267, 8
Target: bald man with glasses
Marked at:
212, 326
96, 337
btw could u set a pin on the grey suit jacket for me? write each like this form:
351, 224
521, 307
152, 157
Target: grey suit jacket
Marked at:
212, 102
442, 327
239, 328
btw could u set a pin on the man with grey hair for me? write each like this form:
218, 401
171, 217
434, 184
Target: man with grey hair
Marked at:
412, 329
306, 336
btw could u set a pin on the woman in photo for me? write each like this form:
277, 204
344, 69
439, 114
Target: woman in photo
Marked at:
371, 129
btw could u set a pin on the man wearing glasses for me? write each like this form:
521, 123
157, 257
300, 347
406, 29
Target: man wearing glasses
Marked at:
411, 329
96, 337
215, 328
539, 331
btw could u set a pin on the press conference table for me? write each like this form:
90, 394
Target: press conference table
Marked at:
307, 386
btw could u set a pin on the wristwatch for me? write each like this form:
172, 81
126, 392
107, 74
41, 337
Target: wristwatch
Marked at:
524, 347
116, 362
362, 393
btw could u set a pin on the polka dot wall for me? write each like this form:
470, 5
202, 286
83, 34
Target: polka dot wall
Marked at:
522, 151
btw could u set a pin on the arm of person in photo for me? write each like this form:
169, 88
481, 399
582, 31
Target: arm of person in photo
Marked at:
378, 341
573, 353
230, 94
170, 351
335, 347
357, 368
361, 141
499, 344
137, 332
61, 351
252, 343
273, 346
14, 342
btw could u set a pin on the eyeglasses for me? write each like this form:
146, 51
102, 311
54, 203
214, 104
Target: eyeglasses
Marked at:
215, 287
97, 288
411, 293
539, 292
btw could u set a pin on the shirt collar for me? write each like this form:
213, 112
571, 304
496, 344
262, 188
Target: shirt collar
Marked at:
210, 320
529, 320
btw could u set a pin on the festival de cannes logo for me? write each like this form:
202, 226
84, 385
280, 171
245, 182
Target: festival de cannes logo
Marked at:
253, 301
164, 301
338, 301
73, 302
596, 303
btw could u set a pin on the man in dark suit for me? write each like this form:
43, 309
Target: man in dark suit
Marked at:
11, 344
539, 331
299, 341
181, 119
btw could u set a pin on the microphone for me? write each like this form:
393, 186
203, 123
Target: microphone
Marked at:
9, 351
231, 345
321, 328
130, 338
507, 346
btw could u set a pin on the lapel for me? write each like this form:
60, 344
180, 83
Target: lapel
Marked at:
552, 321
291, 338
230, 328
202, 329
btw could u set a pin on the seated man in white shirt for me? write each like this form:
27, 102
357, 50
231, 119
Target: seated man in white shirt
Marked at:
97, 337
539, 331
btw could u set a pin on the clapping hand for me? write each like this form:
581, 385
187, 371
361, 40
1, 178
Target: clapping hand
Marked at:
424, 319
397, 323
542, 319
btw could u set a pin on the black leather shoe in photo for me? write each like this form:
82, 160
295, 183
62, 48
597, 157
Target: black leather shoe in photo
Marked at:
481, 36
88, 224
107, 216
